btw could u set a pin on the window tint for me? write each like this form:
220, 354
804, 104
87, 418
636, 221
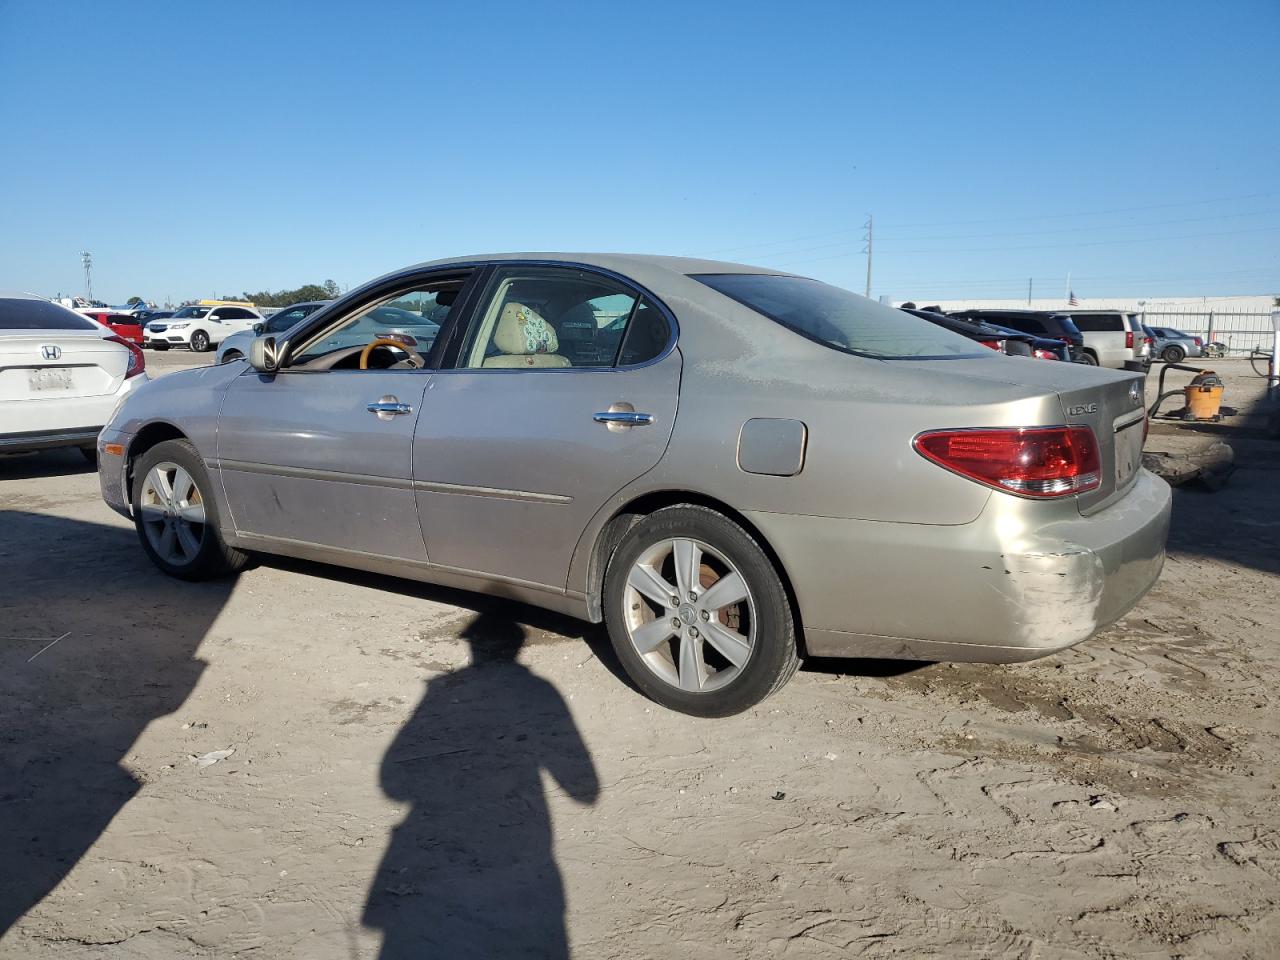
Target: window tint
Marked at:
1098, 322
840, 319
553, 318
283, 321
646, 335
22, 314
236, 313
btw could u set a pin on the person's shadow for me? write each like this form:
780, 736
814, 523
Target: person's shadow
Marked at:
95, 645
470, 872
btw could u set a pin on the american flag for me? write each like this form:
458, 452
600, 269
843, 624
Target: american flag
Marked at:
1071, 300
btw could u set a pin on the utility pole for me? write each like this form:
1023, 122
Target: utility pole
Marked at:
86, 258
1028, 291
869, 227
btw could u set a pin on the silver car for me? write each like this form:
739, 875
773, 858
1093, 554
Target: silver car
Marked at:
731, 467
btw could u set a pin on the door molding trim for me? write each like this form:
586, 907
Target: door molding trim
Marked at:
497, 493
310, 473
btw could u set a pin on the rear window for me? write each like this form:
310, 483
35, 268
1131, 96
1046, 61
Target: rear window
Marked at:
22, 314
840, 319
1098, 322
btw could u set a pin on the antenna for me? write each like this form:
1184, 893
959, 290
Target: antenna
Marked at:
86, 258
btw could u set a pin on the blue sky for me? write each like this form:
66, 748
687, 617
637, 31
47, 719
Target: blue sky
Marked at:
201, 149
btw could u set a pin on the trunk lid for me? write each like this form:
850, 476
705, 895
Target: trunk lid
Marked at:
59, 364
1110, 402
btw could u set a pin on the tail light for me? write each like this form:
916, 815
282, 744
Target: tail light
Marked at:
991, 344
137, 359
1128, 339
1044, 354
1199, 342
1043, 462
1148, 341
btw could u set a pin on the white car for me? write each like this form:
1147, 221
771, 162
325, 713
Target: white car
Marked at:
199, 327
61, 375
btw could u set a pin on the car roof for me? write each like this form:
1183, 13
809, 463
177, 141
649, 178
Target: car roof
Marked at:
624, 263
19, 295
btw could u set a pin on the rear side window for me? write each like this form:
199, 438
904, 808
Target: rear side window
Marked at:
1098, 322
22, 314
841, 320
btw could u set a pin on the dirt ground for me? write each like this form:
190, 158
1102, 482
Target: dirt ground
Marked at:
413, 766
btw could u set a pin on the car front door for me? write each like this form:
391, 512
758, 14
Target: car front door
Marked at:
563, 391
320, 452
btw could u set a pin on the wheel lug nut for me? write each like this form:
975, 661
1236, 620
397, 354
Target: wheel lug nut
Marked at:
705, 615
693, 632
675, 622
692, 596
675, 601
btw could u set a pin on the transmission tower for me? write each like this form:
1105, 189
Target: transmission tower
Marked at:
86, 258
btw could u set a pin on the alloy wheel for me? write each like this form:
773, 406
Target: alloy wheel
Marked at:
173, 514
689, 615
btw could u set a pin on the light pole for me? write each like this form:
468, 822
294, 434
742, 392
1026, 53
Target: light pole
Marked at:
86, 258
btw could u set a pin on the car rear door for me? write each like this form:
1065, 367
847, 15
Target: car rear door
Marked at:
564, 391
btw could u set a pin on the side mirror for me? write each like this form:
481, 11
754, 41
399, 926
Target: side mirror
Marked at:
257, 328
262, 354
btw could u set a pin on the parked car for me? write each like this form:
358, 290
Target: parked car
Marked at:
236, 346
1173, 345
146, 316
731, 467
1112, 338
1000, 339
200, 327
61, 374
1051, 326
121, 324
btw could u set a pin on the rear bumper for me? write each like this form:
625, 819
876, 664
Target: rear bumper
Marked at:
1010, 586
48, 439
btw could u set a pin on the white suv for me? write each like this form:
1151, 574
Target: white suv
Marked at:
199, 327
1112, 338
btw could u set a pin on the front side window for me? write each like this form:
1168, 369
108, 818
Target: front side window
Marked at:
841, 320
557, 317
409, 320
20, 313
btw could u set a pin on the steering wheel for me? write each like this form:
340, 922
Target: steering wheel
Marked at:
414, 356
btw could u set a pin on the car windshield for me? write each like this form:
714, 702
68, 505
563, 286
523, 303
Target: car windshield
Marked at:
191, 313
840, 319
19, 313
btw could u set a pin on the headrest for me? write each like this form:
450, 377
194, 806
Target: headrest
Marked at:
522, 332
445, 298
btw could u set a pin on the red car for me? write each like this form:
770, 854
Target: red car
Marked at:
123, 325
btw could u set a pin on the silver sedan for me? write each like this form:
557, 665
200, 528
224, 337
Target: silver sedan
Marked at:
731, 467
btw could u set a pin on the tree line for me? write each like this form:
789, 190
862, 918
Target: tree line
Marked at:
282, 298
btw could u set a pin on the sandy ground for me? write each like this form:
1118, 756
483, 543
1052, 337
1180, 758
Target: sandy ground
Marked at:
415, 766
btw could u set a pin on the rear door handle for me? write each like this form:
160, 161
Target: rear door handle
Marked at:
388, 407
631, 419
622, 416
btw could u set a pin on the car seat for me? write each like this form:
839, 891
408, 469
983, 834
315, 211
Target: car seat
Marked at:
525, 339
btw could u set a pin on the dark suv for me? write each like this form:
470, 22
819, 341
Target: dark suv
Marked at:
1041, 323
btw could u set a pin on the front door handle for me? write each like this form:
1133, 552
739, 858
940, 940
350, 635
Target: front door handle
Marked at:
388, 407
622, 416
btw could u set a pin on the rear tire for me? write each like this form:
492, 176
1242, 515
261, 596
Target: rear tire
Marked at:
1173, 354
1089, 359
176, 515
678, 642
199, 342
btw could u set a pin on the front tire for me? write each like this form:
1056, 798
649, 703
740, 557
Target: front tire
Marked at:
231, 355
1173, 354
176, 515
697, 613
199, 342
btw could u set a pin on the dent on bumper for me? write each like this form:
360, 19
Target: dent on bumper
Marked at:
112, 472
999, 589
